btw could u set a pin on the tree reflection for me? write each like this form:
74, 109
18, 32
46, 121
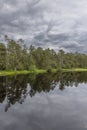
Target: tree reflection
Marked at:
2, 89
16, 88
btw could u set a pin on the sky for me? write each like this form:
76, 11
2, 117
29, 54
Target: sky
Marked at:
57, 24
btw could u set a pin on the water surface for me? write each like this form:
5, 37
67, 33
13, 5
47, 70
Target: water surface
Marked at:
44, 102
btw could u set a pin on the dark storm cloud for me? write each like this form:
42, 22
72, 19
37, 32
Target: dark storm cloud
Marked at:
47, 23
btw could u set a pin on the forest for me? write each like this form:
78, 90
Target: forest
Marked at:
16, 56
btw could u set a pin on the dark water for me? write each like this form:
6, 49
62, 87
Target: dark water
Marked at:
44, 102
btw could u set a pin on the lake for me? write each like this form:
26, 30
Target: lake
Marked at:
44, 102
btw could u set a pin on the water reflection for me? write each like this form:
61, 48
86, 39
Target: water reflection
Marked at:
17, 88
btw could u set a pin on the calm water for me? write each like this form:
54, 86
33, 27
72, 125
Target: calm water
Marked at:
44, 102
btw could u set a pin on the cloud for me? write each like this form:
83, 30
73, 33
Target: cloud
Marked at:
51, 23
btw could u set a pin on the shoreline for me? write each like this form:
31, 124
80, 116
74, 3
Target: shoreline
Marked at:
38, 71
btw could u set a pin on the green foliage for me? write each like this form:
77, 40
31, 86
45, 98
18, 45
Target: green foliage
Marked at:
2, 56
16, 56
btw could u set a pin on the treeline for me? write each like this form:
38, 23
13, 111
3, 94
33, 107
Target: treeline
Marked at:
15, 56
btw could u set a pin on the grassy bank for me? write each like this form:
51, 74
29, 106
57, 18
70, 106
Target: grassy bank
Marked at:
37, 71
5, 73
69, 70
75, 70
